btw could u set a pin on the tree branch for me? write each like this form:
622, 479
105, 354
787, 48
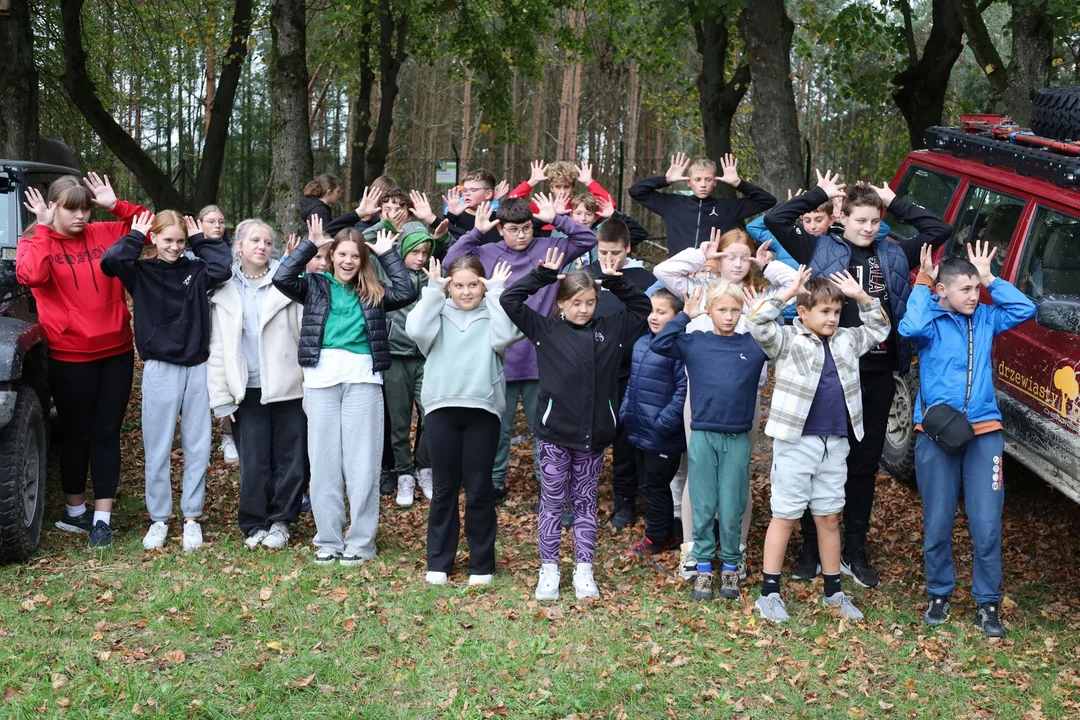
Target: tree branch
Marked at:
982, 46
909, 34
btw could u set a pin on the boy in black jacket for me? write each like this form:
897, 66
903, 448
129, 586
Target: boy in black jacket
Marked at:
882, 268
172, 333
689, 219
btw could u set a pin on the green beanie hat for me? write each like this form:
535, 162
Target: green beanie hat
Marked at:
412, 234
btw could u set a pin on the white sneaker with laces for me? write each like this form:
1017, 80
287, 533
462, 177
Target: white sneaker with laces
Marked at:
155, 536
192, 535
406, 490
228, 449
435, 578
772, 608
480, 579
424, 478
547, 587
255, 539
278, 537
584, 584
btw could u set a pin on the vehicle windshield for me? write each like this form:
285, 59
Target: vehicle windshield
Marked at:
9, 216
932, 190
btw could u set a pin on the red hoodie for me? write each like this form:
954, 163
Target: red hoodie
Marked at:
84, 313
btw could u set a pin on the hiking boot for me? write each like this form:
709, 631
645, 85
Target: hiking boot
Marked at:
854, 562
82, 524
702, 589
843, 603
406, 490
584, 583
278, 537
988, 620
101, 535
808, 565
937, 611
729, 584
547, 587
387, 486
423, 477
742, 568
255, 539
155, 536
624, 513
687, 561
772, 608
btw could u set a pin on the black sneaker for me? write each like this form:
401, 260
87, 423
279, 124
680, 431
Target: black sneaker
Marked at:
499, 492
624, 513
854, 562
808, 565
988, 620
702, 589
82, 524
937, 611
101, 535
387, 483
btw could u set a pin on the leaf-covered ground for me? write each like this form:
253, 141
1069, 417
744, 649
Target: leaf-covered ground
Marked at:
226, 632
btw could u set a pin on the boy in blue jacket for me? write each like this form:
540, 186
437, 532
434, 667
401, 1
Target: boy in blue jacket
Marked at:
953, 333
652, 413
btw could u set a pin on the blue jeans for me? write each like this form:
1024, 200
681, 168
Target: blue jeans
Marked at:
940, 477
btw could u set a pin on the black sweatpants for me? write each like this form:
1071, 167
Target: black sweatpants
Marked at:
862, 462
655, 473
91, 399
271, 440
463, 443
624, 471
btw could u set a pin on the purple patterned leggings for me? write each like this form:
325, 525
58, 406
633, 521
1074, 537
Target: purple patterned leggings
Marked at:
564, 471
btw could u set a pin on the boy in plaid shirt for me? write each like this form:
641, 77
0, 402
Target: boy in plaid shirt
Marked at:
817, 372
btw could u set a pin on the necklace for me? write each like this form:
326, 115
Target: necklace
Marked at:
256, 277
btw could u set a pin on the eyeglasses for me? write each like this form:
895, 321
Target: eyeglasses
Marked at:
519, 231
475, 189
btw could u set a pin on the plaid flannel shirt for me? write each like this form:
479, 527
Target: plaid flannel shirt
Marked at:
800, 358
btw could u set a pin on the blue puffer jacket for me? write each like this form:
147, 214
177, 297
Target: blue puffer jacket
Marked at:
652, 410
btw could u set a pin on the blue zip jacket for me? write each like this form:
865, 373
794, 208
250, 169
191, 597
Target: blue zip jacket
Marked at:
941, 339
652, 409
757, 230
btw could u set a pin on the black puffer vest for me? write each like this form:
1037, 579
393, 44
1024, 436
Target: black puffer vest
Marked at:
313, 292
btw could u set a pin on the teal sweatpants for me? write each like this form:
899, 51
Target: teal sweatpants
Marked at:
719, 479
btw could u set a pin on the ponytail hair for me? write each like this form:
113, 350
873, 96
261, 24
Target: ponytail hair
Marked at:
321, 185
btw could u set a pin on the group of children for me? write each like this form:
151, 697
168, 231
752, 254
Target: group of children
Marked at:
318, 358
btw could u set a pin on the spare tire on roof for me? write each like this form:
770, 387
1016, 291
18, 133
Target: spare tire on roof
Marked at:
1055, 113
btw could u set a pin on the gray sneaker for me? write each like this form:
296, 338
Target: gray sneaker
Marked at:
772, 608
843, 603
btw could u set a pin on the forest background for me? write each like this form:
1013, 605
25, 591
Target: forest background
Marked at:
189, 102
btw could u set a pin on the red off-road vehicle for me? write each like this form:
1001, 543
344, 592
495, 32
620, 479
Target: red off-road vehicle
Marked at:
1020, 191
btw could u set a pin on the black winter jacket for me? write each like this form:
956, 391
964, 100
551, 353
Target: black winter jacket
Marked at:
578, 364
313, 292
314, 206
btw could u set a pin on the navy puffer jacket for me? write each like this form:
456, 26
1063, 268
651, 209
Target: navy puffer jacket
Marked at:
313, 292
652, 410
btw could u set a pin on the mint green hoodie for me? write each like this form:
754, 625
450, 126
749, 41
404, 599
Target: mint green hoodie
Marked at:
464, 350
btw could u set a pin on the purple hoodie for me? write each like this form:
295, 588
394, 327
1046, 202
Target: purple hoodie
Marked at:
520, 360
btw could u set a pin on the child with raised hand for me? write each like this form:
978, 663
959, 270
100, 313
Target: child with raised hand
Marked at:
523, 251
477, 186
723, 368
319, 195
463, 332
561, 178
344, 350
954, 335
367, 212
578, 359
170, 298
88, 328
690, 219
817, 374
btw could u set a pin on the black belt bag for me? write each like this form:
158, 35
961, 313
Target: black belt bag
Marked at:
943, 423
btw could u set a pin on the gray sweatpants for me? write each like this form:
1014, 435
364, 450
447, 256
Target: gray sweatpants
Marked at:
170, 391
345, 434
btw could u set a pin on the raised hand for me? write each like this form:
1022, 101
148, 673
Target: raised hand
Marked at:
608, 267
711, 246
315, 231
398, 217
36, 204
421, 207
982, 256
585, 173
545, 207
292, 244
102, 190
797, 193
452, 198
885, 193
849, 286
606, 208
499, 274
484, 222
501, 190
763, 257
677, 171
553, 259
926, 262
750, 296
441, 229
828, 183
798, 286
369, 203
384, 242
143, 222
537, 172
434, 272
192, 225
562, 202
729, 165
694, 303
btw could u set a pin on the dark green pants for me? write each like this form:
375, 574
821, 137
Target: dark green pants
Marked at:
719, 482
402, 382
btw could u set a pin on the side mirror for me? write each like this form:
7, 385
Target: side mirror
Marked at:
1061, 313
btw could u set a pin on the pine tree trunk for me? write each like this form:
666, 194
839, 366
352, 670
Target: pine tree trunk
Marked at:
290, 144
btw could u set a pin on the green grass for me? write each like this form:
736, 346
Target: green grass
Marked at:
225, 632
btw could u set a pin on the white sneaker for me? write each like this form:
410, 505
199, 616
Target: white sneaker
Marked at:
435, 578
155, 536
547, 588
584, 584
424, 478
255, 539
278, 537
406, 489
480, 579
228, 449
192, 535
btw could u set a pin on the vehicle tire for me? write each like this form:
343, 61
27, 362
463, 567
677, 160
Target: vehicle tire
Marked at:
23, 450
1055, 113
898, 456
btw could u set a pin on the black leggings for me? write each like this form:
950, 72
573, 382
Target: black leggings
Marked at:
91, 399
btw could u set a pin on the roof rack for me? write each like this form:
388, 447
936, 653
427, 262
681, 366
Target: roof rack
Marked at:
997, 140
